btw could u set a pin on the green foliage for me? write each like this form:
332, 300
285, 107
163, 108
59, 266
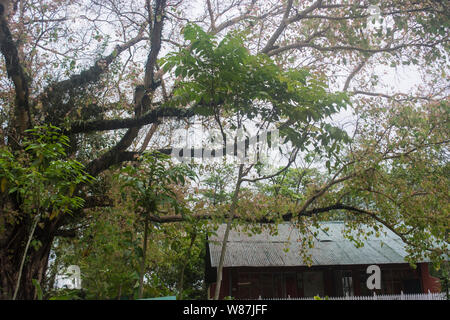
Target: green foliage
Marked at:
176, 252
107, 252
110, 250
68, 294
293, 183
153, 185
224, 76
402, 179
42, 177
216, 182
151, 182
319, 298
398, 172
38, 288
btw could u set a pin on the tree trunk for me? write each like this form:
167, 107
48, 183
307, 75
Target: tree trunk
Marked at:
12, 247
24, 256
188, 256
144, 255
227, 231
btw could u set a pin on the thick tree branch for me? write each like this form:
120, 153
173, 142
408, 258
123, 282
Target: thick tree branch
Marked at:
285, 217
155, 38
110, 158
148, 137
374, 216
16, 72
354, 72
94, 73
211, 15
118, 153
283, 24
113, 124
289, 217
286, 21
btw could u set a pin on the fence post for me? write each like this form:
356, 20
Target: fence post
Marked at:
374, 296
401, 295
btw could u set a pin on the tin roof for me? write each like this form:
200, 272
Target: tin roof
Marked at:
284, 249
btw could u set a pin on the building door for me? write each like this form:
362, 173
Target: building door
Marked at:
290, 283
244, 285
277, 285
267, 290
313, 284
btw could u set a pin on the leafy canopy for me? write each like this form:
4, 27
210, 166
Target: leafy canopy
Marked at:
42, 177
152, 182
224, 77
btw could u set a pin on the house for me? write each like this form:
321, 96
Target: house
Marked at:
270, 266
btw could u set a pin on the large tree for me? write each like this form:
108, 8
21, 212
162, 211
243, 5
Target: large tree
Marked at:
92, 68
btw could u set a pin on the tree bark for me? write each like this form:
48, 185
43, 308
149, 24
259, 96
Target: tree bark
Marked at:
144, 256
227, 231
12, 248
188, 256
27, 246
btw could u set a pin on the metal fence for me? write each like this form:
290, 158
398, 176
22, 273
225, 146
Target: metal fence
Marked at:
401, 296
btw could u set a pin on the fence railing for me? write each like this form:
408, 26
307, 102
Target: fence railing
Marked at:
401, 296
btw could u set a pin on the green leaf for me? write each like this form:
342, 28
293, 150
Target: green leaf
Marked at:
38, 288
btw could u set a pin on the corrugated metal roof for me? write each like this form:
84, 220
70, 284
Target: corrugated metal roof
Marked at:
283, 249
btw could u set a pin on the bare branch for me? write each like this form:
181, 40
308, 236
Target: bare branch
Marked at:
354, 72
395, 97
303, 44
280, 29
286, 21
211, 15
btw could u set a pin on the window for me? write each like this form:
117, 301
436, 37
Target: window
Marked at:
343, 282
347, 283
